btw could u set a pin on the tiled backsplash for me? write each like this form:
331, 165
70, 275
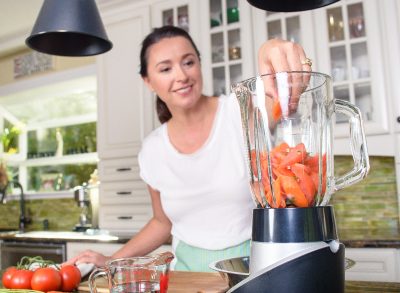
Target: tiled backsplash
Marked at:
62, 214
371, 203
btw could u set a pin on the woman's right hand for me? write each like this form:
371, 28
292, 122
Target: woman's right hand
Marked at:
88, 256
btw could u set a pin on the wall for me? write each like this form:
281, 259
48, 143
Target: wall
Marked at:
60, 63
372, 203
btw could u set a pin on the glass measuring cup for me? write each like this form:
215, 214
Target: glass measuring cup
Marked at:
134, 275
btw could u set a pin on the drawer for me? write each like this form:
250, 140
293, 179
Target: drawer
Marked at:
373, 264
119, 169
124, 192
75, 248
124, 217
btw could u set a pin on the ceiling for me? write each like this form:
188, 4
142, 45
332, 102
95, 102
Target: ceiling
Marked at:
17, 16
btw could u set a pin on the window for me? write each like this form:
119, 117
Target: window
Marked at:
49, 132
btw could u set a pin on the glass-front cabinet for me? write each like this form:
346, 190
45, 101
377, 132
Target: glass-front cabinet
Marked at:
228, 43
48, 131
350, 50
344, 41
180, 13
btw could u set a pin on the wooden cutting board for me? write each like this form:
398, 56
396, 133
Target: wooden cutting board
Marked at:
179, 282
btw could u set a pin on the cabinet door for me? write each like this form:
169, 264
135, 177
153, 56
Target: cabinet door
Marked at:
124, 107
349, 46
124, 193
181, 13
373, 264
74, 248
294, 26
226, 44
124, 219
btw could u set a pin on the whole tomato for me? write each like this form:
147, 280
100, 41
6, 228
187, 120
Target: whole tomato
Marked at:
7, 276
46, 279
71, 277
21, 279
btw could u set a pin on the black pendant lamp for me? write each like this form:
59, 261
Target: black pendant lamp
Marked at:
289, 5
69, 28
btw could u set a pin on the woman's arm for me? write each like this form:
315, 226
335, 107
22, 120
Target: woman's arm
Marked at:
155, 233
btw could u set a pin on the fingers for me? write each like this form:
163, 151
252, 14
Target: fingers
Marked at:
283, 56
87, 256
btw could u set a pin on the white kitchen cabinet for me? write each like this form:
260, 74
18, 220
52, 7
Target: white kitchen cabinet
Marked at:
351, 45
374, 264
345, 40
125, 117
124, 106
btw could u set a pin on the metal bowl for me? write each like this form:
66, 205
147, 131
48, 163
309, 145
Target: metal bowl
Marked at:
232, 270
235, 270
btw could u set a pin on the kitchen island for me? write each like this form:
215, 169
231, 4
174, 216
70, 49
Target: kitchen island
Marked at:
192, 282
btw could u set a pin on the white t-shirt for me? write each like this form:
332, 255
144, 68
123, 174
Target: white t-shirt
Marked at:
206, 194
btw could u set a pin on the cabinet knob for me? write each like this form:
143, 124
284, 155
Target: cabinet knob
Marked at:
398, 119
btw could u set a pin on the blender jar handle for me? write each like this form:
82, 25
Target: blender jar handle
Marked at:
92, 278
358, 145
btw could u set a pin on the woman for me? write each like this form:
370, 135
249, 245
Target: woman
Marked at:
193, 163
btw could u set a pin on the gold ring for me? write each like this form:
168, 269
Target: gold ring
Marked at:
307, 61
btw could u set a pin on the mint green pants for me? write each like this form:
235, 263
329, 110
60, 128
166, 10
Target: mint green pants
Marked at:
190, 258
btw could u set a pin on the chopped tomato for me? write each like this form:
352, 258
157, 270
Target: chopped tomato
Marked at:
293, 191
296, 154
305, 181
276, 110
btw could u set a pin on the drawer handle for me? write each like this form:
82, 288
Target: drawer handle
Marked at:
124, 218
124, 169
124, 192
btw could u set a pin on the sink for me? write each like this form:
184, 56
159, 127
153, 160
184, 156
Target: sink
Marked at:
66, 235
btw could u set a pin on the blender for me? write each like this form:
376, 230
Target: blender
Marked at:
288, 120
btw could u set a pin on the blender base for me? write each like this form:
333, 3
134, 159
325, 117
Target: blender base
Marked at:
320, 271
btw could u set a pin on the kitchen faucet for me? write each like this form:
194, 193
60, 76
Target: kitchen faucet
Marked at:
23, 219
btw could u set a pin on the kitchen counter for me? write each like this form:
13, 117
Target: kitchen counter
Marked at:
379, 238
62, 236
190, 282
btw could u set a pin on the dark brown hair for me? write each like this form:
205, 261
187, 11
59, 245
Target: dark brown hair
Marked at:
154, 37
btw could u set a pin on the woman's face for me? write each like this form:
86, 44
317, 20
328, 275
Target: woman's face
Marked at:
174, 73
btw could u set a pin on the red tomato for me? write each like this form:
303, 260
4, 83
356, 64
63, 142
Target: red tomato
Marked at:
46, 279
7, 276
21, 279
71, 277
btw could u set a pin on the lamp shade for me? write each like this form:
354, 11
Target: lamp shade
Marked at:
69, 28
289, 5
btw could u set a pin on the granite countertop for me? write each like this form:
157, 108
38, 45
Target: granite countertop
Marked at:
379, 238
63, 236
